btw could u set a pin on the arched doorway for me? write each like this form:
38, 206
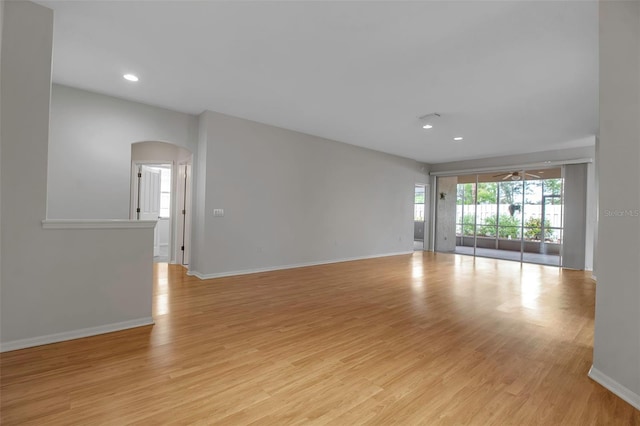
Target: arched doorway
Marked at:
161, 186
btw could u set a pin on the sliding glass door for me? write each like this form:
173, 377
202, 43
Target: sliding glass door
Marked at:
514, 215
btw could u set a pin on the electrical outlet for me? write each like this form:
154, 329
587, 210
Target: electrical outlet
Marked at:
218, 212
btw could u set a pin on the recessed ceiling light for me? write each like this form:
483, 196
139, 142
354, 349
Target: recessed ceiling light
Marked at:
130, 77
427, 126
457, 138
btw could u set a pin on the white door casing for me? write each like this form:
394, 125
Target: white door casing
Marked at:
187, 216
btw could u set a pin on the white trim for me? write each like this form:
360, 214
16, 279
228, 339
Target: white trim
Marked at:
297, 265
538, 165
615, 387
96, 224
75, 334
593, 277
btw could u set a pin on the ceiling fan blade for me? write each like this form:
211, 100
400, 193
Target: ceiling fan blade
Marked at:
535, 176
507, 176
502, 174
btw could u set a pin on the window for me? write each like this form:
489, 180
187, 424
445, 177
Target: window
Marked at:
418, 204
165, 192
518, 211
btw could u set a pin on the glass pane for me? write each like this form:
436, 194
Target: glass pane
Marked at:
553, 212
508, 221
465, 207
511, 196
487, 209
511, 209
534, 233
165, 204
532, 209
487, 223
533, 192
553, 236
533, 203
165, 180
468, 194
458, 230
553, 187
468, 224
459, 203
418, 207
487, 193
509, 232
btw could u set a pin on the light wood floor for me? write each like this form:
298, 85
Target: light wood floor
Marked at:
418, 339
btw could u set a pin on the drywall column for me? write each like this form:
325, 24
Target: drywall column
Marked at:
592, 219
446, 194
199, 207
1, 26
616, 352
26, 86
575, 216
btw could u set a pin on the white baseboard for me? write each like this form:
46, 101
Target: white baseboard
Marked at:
297, 265
615, 387
75, 334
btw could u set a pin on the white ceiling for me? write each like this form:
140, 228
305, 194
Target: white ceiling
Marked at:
509, 76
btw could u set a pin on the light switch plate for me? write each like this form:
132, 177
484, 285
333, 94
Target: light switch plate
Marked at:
218, 212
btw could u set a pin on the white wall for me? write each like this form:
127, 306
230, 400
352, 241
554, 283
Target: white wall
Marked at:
55, 283
159, 152
292, 199
616, 352
90, 150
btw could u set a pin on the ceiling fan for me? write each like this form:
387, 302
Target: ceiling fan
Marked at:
516, 175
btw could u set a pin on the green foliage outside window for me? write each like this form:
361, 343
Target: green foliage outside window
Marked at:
533, 229
468, 225
487, 193
553, 186
508, 228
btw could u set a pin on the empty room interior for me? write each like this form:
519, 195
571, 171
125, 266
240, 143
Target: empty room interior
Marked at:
306, 212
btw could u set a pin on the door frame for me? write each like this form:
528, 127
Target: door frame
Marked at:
183, 197
172, 208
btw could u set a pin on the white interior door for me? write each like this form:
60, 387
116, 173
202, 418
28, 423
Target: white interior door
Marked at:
149, 200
